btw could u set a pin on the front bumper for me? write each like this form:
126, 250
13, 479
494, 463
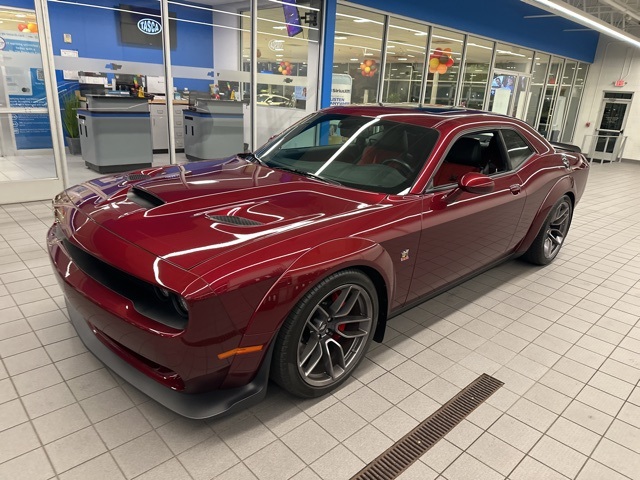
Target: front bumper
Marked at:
191, 405
179, 369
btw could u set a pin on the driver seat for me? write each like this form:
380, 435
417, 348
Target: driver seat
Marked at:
393, 144
464, 156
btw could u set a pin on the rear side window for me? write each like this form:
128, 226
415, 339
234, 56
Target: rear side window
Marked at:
517, 148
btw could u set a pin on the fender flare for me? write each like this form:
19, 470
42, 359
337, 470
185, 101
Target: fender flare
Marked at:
302, 275
563, 186
313, 266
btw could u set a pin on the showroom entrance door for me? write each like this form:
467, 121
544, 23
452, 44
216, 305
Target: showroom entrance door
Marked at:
30, 149
509, 93
609, 139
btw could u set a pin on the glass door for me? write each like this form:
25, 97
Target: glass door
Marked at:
613, 117
30, 164
509, 93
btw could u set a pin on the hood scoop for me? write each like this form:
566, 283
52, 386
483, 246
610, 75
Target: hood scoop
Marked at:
144, 198
234, 220
136, 177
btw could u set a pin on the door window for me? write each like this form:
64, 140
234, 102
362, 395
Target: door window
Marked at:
475, 152
517, 149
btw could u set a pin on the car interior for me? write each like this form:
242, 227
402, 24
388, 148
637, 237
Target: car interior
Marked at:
478, 152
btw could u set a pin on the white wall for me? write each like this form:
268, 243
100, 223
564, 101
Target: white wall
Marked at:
614, 60
226, 41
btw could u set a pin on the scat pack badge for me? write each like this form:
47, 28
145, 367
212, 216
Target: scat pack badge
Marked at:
404, 255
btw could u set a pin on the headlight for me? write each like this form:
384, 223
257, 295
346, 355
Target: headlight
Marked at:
162, 293
181, 305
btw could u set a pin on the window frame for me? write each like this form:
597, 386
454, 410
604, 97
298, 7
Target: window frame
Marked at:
492, 129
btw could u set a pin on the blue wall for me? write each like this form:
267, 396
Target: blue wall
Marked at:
500, 20
95, 33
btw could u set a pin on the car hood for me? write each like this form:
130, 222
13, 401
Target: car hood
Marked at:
187, 214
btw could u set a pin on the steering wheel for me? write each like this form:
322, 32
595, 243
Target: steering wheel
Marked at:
405, 169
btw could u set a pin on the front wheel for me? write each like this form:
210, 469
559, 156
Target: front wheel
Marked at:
552, 234
326, 334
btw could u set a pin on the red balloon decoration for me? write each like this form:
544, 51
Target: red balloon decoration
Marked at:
368, 68
285, 68
440, 60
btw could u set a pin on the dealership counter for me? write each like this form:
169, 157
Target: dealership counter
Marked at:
213, 129
115, 133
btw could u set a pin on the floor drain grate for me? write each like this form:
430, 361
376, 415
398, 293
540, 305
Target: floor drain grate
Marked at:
402, 454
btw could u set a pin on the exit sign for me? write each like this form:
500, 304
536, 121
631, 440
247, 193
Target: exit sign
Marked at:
619, 83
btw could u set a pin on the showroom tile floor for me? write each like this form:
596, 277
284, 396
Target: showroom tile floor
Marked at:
565, 339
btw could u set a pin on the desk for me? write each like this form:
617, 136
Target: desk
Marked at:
115, 133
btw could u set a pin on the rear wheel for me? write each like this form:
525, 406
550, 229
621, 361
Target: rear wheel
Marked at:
552, 235
326, 334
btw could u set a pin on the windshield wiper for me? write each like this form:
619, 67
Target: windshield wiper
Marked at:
307, 174
252, 157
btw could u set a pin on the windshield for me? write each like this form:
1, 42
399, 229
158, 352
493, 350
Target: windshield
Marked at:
367, 153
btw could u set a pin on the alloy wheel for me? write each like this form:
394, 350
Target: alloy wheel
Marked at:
335, 335
557, 229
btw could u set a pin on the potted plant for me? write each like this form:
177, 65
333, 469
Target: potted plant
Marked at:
70, 105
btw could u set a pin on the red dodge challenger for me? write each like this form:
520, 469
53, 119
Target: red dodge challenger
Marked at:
199, 282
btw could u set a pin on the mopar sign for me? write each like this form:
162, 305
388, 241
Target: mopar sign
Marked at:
149, 26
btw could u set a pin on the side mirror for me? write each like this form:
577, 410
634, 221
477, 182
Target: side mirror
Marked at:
477, 183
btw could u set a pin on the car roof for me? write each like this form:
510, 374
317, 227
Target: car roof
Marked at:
427, 115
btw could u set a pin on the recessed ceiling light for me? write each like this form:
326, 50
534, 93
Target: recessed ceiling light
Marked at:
412, 56
279, 55
20, 15
361, 20
354, 59
369, 54
402, 59
341, 38
421, 34
278, 28
391, 46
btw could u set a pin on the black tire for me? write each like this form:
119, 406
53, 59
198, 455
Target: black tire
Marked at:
318, 347
552, 234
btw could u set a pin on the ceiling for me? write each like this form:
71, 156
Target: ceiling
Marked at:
622, 14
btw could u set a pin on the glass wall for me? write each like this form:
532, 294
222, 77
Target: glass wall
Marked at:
476, 72
113, 50
546, 115
510, 57
537, 85
498, 77
28, 159
574, 102
406, 47
357, 56
445, 56
287, 65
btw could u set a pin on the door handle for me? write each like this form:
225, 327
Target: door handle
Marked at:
515, 188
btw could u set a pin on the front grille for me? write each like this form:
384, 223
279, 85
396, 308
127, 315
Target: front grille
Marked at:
141, 293
233, 220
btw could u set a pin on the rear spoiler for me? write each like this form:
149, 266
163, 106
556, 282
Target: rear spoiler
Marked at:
566, 147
